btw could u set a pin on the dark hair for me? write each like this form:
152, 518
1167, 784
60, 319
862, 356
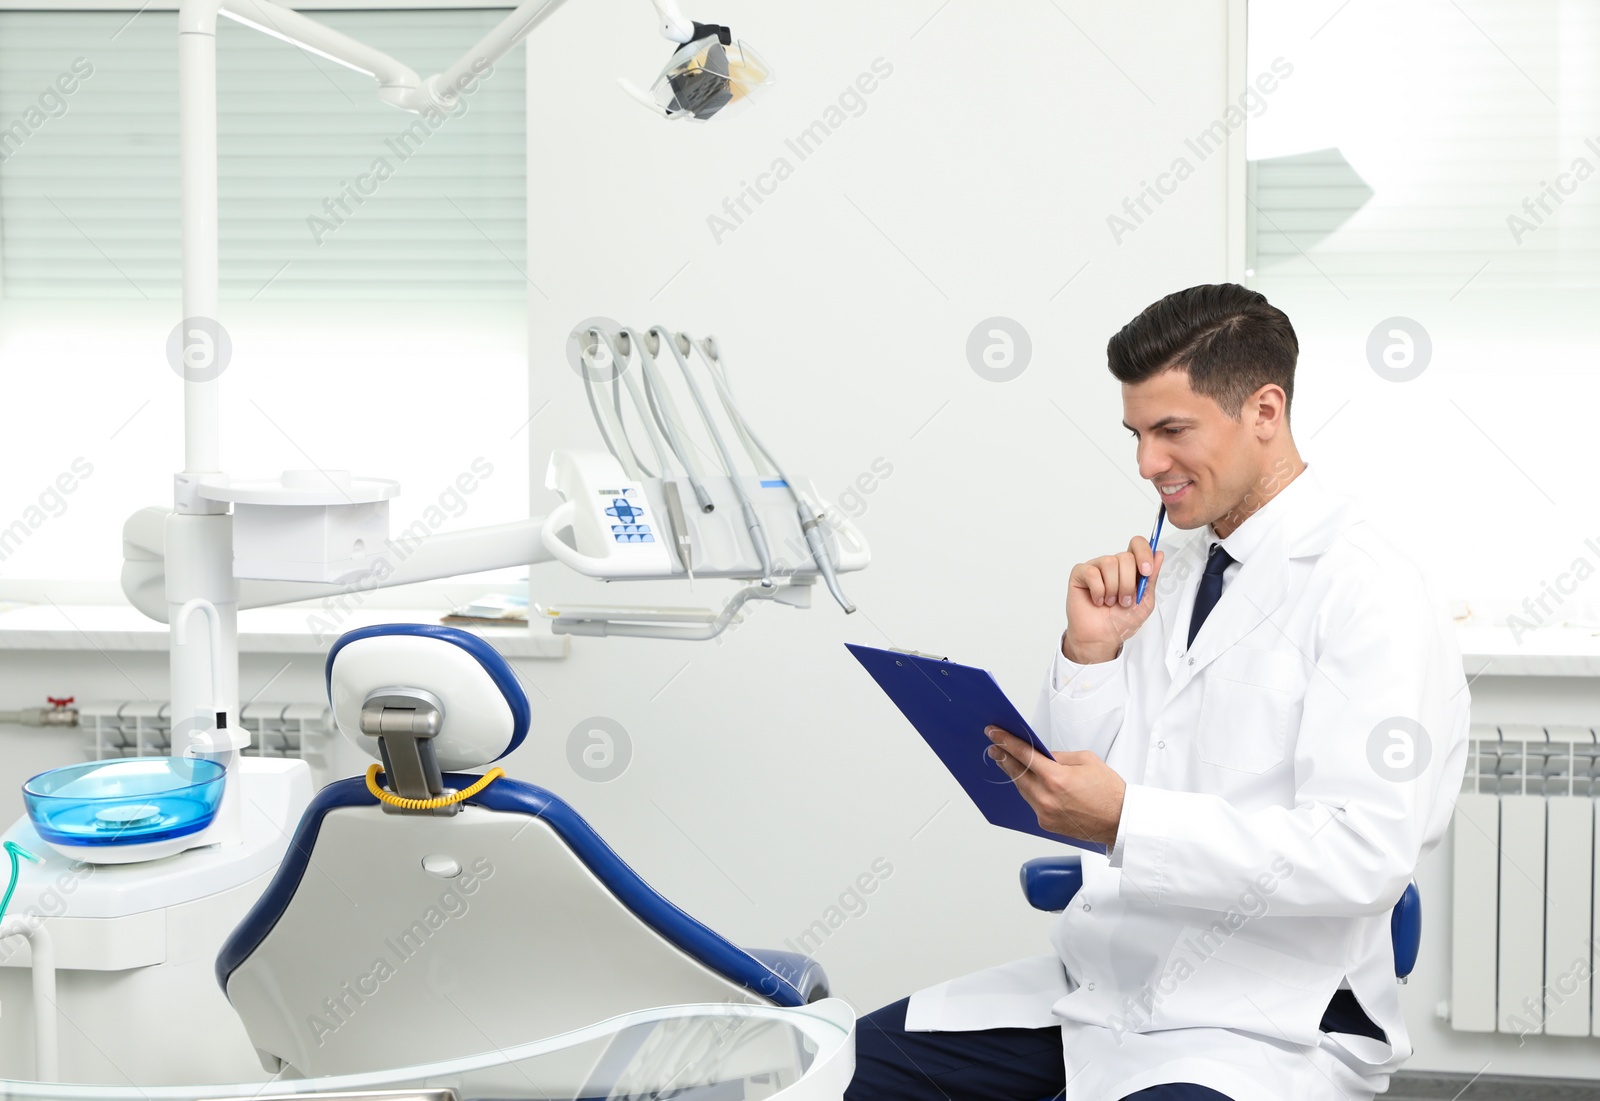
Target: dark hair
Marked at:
1229, 339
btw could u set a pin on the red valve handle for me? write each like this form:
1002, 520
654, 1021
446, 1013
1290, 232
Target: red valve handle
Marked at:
67, 702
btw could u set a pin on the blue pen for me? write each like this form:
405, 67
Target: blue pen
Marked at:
1155, 537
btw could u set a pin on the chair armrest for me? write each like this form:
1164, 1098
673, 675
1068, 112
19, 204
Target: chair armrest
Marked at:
799, 971
1049, 882
1405, 928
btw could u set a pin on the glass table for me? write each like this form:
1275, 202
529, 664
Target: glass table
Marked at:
684, 1053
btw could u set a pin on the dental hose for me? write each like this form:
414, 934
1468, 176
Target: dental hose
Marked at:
665, 412
14, 850
810, 519
752, 523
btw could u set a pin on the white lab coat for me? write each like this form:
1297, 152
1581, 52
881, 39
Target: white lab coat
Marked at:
1272, 819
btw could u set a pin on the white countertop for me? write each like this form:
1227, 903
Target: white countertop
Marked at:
1544, 652
120, 629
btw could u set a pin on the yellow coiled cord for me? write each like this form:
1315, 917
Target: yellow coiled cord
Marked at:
376, 770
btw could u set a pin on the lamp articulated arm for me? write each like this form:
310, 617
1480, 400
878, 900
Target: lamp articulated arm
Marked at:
398, 84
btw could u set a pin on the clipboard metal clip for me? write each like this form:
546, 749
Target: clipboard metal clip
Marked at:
917, 654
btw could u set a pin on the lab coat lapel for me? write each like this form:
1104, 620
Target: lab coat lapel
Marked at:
1262, 582
1251, 598
1173, 611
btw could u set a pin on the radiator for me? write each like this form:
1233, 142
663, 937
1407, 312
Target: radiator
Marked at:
143, 728
1523, 911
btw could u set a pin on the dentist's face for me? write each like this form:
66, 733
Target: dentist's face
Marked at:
1201, 461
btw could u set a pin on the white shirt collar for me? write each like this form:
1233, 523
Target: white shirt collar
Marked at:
1249, 535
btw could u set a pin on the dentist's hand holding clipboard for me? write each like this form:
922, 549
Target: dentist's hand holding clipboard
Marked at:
1077, 793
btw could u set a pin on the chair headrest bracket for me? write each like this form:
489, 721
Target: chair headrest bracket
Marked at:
405, 721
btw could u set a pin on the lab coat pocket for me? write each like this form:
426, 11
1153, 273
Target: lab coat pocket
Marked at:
1252, 700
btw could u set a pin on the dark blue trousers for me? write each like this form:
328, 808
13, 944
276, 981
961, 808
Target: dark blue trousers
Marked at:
994, 1064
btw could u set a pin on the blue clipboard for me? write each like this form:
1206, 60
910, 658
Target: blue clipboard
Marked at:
950, 705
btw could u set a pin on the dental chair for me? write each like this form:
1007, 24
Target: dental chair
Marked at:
428, 914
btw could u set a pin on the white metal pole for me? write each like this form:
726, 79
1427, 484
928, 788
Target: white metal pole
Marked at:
199, 532
197, 139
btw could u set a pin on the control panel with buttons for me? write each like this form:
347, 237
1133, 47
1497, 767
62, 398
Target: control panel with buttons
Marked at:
612, 518
627, 508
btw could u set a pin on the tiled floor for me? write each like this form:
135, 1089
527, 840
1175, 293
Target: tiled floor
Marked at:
1449, 1087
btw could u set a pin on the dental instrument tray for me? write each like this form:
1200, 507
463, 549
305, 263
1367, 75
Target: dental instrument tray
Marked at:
950, 705
126, 801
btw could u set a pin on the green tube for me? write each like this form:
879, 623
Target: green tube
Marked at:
13, 850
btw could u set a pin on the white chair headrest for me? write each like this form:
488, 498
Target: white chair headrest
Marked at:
486, 713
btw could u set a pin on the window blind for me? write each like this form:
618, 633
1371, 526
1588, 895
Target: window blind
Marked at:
325, 191
1297, 202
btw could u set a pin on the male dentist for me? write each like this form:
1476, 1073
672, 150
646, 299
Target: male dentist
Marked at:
1267, 743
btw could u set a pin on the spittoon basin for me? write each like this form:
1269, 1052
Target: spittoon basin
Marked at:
125, 801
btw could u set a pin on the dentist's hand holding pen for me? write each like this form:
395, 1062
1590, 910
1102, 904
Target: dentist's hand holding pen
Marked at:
1108, 599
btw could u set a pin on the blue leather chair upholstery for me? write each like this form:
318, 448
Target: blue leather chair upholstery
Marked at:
1405, 928
1049, 882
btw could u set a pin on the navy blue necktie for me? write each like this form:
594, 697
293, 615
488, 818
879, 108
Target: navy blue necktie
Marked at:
1210, 590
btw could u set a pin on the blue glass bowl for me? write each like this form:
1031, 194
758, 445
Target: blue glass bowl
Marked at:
127, 801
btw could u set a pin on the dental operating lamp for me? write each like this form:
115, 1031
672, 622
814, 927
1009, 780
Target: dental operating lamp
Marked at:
183, 561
